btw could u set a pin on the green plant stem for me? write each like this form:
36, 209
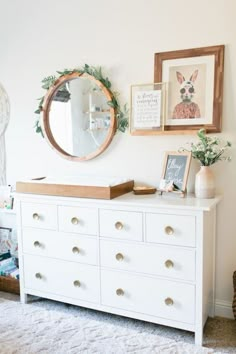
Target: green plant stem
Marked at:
121, 114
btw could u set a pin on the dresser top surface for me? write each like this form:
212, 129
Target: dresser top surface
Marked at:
164, 201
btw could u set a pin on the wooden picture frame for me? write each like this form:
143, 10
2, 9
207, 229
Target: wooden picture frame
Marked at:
195, 88
147, 108
176, 169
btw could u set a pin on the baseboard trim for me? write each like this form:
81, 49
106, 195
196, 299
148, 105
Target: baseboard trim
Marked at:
224, 309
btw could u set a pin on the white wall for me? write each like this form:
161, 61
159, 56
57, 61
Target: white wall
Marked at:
39, 37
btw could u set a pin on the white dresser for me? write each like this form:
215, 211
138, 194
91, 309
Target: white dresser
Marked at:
145, 257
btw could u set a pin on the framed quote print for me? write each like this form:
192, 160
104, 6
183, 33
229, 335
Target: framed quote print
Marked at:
175, 171
147, 108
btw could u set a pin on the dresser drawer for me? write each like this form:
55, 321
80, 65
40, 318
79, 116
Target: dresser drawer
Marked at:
165, 261
43, 216
68, 279
124, 225
78, 220
77, 248
156, 297
171, 229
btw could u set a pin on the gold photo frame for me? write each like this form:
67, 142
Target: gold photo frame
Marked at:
147, 102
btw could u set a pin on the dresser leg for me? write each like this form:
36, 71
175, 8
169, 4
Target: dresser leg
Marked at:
23, 298
199, 337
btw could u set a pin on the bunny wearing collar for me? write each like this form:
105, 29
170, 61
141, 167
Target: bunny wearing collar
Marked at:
186, 109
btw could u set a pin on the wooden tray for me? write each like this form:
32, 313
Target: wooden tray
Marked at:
141, 190
9, 285
80, 191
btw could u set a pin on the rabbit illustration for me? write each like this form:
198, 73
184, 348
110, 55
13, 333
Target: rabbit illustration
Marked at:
186, 109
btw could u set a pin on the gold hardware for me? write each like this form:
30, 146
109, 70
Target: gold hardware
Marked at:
119, 257
74, 221
120, 292
169, 301
36, 216
37, 244
169, 263
77, 283
119, 225
38, 276
75, 250
169, 230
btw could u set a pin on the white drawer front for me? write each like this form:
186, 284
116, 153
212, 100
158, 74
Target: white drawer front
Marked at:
60, 245
148, 296
121, 224
68, 279
160, 260
43, 216
171, 229
78, 220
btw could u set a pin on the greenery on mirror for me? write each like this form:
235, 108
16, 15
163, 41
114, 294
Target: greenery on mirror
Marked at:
122, 114
209, 149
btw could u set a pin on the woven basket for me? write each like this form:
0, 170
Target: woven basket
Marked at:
9, 285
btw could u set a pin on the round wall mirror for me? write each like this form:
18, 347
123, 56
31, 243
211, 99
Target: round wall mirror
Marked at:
77, 119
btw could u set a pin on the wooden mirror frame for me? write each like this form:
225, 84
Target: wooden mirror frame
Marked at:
46, 110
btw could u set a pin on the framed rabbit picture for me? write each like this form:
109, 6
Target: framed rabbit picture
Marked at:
195, 88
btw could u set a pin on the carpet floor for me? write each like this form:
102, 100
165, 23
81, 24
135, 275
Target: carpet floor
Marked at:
49, 327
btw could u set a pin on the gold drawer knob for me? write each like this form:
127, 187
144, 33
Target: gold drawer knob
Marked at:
76, 283
169, 263
119, 225
75, 250
119, 257
38, 276
75, 221
37, 244
169, 230
120, 292
36, 216
169, 301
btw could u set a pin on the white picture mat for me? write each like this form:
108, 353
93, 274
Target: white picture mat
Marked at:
209, 61
147, 108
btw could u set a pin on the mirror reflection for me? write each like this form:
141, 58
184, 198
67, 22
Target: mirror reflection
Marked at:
79, 117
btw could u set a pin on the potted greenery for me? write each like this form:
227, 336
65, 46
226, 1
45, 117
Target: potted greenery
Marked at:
208, 150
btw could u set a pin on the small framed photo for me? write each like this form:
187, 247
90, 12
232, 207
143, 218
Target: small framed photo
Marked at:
175, 170
147, 108
195, 87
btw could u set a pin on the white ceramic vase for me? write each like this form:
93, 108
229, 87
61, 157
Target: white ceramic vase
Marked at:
205, 183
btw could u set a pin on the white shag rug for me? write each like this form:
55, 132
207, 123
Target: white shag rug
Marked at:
48, 327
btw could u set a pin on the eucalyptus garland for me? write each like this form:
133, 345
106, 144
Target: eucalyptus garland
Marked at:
48, 82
